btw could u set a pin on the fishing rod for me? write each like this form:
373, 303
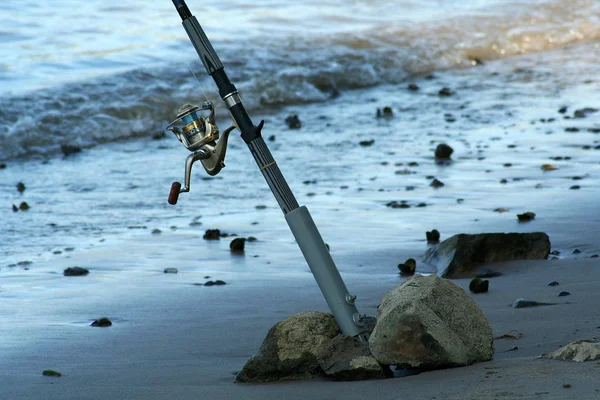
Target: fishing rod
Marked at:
196, 129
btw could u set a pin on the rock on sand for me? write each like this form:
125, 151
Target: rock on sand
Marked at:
461, 255
430, 323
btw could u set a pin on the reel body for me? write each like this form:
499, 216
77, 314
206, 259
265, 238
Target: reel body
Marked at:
195, 127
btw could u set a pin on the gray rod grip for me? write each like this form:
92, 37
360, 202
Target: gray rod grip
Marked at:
205, 51
324, 270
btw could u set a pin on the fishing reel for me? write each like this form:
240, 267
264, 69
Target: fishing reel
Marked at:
196, 129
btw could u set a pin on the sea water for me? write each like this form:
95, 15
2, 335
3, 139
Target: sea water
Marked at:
108, 76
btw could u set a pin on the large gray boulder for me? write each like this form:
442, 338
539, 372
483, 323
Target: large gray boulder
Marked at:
346, 358
290, 349
461, 255
579, 351
430, 323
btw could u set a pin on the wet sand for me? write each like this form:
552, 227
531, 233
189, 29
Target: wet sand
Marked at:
172, 339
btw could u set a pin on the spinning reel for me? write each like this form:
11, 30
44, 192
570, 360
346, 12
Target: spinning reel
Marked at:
196, 128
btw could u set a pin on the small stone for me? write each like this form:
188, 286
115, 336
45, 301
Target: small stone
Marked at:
24, 206
413, 87
219, 282
548, 167
170, 270
576, 251
68, 149
75, 271
366, 143
563, 110
261, 207
15, 208
293, 122
523, 303
478, 285
51, 372
2, 165
436, 183
212, 234
237, 245
443, 151
386, 112
487, 273
567, 385
525, 217
503, 181
251, 239
571, 129
564, 293
584, 112
102, 323
156, 231
21, 187
408, 268
445, 92
433, 236
575, 187
553, 283
271, 138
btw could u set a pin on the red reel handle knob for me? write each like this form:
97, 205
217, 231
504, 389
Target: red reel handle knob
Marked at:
174, 194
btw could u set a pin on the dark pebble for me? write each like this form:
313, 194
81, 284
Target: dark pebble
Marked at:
251, 239
528, 216
272, 138
522, 303
571, 129
293, 122
408, 268
21, 187
553, 283
213, 283
443, 151
2, 166
433, 236
366, 143
237, 245
24, 206
212, 234
564, 293
75, 271
576, 251
478, 285
584, 112
51, 372
563, 110
436, 183
422, 205
503, 181
575, 187
15, 208
445, 92
487, 273
156, 231
385, 112
413, 86
594, 256
68, 149
102, 322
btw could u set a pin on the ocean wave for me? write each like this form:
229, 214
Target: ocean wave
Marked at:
285, 71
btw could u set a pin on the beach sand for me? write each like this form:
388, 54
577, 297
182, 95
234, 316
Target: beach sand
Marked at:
171, 339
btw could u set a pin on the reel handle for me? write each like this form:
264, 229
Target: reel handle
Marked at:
174, 194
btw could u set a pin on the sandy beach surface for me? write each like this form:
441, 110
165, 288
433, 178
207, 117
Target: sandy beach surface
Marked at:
175, 340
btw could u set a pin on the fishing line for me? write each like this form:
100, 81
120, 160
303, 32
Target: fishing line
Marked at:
195, 77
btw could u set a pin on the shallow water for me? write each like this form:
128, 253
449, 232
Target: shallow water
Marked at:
107, 194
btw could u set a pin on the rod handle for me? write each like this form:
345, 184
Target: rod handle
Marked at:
174, 194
